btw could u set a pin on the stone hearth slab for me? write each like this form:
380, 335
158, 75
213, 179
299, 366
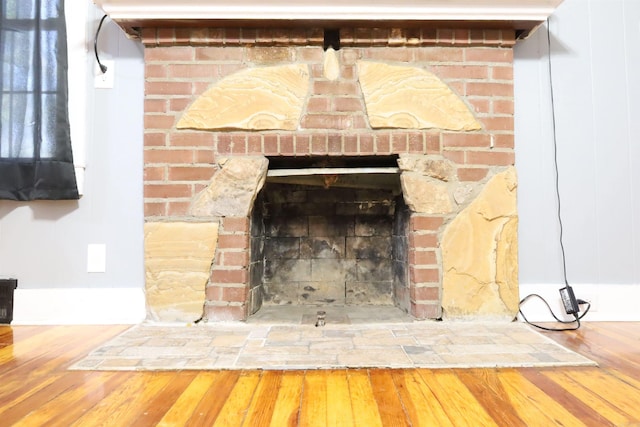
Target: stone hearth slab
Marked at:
424, 344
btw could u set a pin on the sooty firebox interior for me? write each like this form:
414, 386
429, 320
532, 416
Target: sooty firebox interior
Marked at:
329, 231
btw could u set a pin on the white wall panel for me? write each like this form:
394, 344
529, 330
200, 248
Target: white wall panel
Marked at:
595, 63
539, 257
612, 145
631, 15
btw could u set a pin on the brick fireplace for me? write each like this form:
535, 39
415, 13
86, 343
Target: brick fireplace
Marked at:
329, 164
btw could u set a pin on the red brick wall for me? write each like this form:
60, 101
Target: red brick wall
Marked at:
181, 63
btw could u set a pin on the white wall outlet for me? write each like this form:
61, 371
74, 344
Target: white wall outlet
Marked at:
591, 298
104, 80
96, 258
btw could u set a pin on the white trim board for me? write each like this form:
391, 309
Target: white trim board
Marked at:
85, 306
612, 302
432, 10
78, 306
523, 15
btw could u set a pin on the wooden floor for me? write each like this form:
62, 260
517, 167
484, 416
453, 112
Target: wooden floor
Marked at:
36, 389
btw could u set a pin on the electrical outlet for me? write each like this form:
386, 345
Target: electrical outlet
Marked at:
591, 298
104, 80
96, 258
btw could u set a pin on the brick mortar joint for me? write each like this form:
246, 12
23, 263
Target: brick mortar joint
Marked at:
427, 285
222, 268
226, 285
215, 303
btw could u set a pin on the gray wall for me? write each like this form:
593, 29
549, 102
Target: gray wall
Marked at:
595, 58
44, 244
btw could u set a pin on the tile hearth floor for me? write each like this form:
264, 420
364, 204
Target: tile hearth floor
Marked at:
286, 338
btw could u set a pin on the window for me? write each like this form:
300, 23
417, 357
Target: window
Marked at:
36, 161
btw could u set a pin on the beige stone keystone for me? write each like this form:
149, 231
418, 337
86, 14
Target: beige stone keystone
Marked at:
178, 258
331, 67
233, 188
256, 99
480, 254
411, 98
424, 195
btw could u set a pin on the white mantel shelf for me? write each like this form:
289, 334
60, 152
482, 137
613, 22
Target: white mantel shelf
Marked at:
522, 15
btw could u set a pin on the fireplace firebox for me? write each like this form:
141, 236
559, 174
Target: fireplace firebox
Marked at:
329, 235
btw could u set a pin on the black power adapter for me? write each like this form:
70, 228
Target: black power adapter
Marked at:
571, 306
569, 300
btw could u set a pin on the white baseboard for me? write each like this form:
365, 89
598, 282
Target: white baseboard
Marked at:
78, 306
108, 306
608, 302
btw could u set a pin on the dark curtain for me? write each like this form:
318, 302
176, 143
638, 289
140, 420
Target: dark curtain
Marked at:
35, 144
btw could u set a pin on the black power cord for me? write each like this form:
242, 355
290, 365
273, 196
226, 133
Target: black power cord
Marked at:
103, 67
576, 320
572, 306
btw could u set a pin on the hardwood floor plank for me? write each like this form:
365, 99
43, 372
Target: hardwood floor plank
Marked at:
235, 408
384, 392
633, 382
5, 330
581, 410
486, 387
339, 411
287, 408
122, 406
9, 334
35, 373
462, 407
36, 345
67, 412
137, 406
611, 342
602, 349
628, 329
570, 381
532, 404
615, 391
181, 410
66, 408
28, 375
313, 406
25, 372
622, 348
20, 408
263, 404
613, 330
363, 404
158, 405
71, 341
11, 398
420, 404
214, 399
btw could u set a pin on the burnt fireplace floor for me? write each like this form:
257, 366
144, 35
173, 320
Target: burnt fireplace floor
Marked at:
334, 315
